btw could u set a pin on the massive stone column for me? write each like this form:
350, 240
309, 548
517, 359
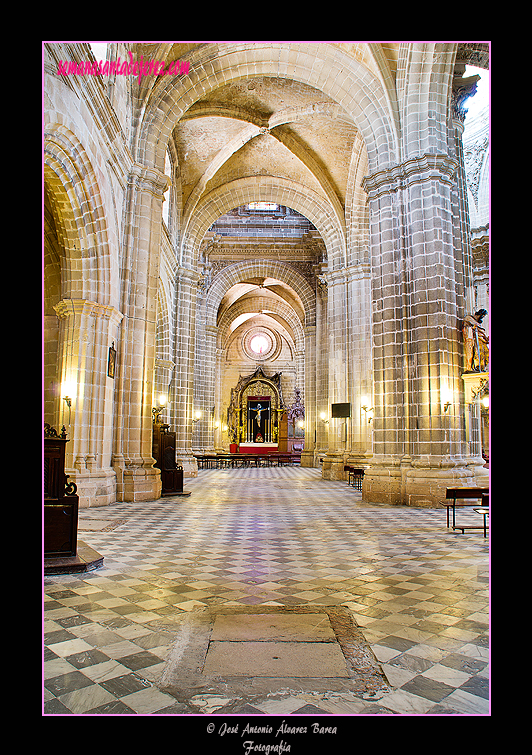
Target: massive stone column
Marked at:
338, 372
137, 478
321, 427
182, 393
87, 330
359, 446
418, 287
205, 388
349, 360
307, 455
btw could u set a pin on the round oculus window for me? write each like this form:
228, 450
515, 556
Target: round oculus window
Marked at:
260, 344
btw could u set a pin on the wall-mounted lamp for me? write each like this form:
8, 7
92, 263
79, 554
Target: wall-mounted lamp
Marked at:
324, 419
197, 416
446, 399
162, 404
486, 402
68, 402
366, 408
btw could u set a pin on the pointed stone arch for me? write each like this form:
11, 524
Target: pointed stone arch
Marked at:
265, 189
258, 268
79, 214
283, 310
87, 320
325, 67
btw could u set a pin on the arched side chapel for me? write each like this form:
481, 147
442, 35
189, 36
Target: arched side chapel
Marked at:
361, 281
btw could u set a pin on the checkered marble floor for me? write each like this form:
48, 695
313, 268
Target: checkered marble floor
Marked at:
276, 536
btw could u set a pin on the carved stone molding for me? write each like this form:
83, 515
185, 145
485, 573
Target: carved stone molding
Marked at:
149, 179
413, 171
68, 307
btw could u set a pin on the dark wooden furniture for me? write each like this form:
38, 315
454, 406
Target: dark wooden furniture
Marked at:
224, 460
163, 450
484, 510
61, 504
466, 497
354, 476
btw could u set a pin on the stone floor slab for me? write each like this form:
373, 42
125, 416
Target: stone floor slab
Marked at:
309, 627
276, 659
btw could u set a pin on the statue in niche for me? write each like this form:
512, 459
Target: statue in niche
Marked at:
259, 409
476, 343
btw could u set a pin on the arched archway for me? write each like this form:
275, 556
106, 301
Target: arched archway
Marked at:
265, 189
78, 289
361, 93
78, 209
260, 268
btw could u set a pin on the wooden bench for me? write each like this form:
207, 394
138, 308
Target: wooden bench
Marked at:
354, 476
464, 494
484, 510
224, 460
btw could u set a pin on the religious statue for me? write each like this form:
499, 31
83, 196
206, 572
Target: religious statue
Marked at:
258, 411
476, 343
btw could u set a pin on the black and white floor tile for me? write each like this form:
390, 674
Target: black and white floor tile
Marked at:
270, 536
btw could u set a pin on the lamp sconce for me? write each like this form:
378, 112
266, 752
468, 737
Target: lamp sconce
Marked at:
158, 410
324, 419
367, 409
68, 402
446, 398
197, 416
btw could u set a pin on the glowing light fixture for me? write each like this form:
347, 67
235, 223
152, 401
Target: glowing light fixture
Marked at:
259, 344
364, 401
446, 398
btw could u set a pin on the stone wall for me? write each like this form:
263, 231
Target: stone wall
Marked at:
362, 272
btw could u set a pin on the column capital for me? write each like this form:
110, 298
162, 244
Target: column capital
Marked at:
415, 170
188, 273
347, 274
463, 88
67, 307
149, 179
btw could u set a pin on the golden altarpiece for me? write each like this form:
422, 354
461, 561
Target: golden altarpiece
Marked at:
256, 410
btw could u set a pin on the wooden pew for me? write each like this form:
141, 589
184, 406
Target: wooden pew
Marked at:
354, 476
462, 494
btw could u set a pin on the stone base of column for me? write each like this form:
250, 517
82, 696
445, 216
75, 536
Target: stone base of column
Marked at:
188, 462
333, 466
416, 485
94, 488
307, 459
358, 460
137, 483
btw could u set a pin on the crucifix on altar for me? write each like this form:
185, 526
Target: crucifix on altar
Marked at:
259, 423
